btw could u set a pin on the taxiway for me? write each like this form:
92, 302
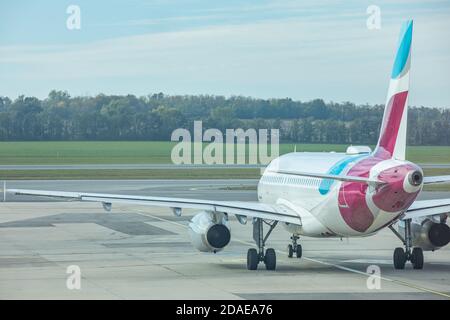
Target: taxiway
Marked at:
145, 253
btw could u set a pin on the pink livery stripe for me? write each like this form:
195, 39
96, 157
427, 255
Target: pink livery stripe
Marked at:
391, 124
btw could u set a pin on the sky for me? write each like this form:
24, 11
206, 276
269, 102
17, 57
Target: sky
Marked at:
265, 49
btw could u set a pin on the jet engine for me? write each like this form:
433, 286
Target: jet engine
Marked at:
209, 231
430, 235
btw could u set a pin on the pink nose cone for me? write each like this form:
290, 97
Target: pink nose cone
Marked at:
400, 191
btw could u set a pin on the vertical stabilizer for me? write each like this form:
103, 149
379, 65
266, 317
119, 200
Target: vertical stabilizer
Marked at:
392, 140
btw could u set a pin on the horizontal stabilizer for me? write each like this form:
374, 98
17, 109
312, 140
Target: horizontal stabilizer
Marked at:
372, 182
436, 179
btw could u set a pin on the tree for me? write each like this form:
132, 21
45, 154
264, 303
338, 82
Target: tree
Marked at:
155, 116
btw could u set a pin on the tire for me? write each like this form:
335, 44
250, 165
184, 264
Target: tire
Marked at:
399, 258
290, 251
252, 259
298, 251
417, 258
270, 259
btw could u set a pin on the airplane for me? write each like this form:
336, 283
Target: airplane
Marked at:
313, 194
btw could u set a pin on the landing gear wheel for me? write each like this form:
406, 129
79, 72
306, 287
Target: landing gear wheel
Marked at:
298, 251
252, 259
417, 258
399, 258
290, 250
270, 259
261, 255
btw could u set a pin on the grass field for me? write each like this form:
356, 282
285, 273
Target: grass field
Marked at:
137, 152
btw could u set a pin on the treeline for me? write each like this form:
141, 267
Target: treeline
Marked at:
154, 117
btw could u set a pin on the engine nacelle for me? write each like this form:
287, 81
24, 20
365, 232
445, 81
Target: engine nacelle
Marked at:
430, 235
209, 231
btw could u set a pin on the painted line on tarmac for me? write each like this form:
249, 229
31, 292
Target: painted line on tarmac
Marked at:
399, 282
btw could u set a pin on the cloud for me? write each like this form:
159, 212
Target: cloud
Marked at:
333, 57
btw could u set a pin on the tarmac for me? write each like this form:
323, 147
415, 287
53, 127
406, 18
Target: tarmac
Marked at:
138, 252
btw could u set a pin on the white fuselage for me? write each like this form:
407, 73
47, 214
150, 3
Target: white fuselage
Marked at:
318, 201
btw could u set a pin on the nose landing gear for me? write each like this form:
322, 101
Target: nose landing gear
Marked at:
294, 247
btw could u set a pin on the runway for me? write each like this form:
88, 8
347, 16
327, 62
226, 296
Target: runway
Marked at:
219, 189
145, 253
242, 190
138, 166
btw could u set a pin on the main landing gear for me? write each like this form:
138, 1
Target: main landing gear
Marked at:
294, 247
401, 256
268, 256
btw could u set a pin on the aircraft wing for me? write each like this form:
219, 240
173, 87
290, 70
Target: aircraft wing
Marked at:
422, 208
239, 208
